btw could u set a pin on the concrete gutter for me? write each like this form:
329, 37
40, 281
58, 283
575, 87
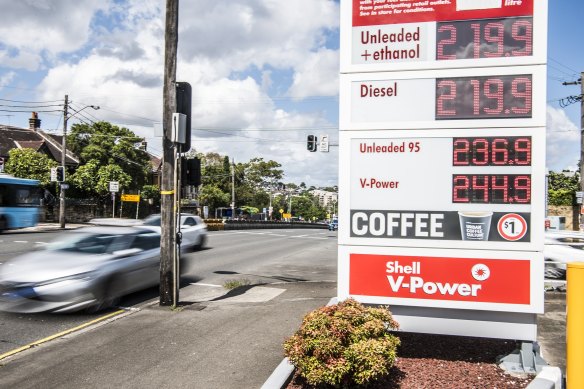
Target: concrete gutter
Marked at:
550, 377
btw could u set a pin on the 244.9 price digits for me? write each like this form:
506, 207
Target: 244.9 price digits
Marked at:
491, 189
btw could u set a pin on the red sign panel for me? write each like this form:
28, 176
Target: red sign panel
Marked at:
379, 12
499, 281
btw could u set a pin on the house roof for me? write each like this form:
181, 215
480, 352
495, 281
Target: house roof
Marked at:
14, 137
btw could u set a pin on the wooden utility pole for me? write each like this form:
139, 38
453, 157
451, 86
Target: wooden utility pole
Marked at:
63, 162
168, 285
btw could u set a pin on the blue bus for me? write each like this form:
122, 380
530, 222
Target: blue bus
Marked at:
20, 201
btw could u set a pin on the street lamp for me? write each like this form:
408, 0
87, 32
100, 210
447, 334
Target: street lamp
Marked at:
66, 117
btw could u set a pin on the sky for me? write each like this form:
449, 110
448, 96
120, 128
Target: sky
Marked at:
264, 74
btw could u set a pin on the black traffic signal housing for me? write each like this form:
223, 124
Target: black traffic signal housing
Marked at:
60, 174
191, 172
311, 143
183, 105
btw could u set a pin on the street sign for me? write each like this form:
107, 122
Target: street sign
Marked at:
54, 174
324, 143
64, 186
114, 186
131, 198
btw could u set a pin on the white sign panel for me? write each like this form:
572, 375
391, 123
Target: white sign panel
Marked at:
114, 186
412, 34
453, 188
492, 97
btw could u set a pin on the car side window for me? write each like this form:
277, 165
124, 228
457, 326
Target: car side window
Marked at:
146, 241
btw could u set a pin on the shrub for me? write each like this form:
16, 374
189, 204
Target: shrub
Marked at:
344, 344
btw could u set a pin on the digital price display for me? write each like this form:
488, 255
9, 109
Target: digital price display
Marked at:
399, 35
492, 97
492, 151
491, 188
487, 38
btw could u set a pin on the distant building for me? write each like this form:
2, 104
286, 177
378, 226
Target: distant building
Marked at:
325, 199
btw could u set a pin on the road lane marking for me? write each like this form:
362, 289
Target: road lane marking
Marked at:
60, 334
20, 241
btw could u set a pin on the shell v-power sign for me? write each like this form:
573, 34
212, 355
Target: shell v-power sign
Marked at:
442, 165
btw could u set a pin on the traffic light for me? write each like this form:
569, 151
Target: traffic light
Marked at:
183, 105
191, 172
311, 143
60, 174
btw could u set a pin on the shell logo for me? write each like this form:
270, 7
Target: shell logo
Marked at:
480, 272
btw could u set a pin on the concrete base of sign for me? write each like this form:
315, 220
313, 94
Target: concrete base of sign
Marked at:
526, 360
485, 324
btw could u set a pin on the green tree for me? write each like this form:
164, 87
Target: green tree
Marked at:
27, 163
562, 188
107, 153
212, 196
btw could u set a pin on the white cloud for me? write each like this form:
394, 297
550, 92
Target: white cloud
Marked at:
233, 52
563, 141
32, 28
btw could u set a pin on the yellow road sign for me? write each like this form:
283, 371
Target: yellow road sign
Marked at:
131, 198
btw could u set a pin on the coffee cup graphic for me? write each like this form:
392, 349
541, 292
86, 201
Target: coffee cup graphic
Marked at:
475, 225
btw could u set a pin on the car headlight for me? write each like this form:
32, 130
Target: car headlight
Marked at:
64, 282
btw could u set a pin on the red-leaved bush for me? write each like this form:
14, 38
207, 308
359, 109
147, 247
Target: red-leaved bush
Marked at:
344, 344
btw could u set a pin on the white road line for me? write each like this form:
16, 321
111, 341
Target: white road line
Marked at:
20, 241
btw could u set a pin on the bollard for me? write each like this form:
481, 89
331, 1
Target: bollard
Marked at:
575, 325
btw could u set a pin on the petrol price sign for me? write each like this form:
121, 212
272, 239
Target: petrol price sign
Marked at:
444, 99
412, 34
449, 188
442, 162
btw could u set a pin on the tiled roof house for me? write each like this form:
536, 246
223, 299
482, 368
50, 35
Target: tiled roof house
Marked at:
34, 138
50, 144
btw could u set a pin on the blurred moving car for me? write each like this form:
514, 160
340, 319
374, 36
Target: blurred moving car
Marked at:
560, 248
89, 268
192, 228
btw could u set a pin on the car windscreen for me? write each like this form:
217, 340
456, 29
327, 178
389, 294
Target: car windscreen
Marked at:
152, 221
89, 243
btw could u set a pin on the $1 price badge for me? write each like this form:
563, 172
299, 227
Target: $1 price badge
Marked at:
512, 227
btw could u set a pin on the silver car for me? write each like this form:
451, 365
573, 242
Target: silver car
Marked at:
193, 230
90, 268
560, 248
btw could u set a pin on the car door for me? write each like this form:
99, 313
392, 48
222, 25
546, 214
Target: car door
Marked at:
139, 263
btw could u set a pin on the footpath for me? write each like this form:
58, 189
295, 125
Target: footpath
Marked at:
214, 339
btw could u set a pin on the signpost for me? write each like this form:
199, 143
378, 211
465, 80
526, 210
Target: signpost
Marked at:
114, 186
443, 168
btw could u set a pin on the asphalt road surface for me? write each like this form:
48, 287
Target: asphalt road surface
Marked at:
247, 257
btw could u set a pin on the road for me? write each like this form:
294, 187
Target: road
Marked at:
250, 257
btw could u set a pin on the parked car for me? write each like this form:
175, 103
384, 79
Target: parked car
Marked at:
89, 268
193, 230
560, 248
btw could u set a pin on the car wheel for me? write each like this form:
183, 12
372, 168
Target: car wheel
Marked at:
201, 244
3, 224
104, 299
